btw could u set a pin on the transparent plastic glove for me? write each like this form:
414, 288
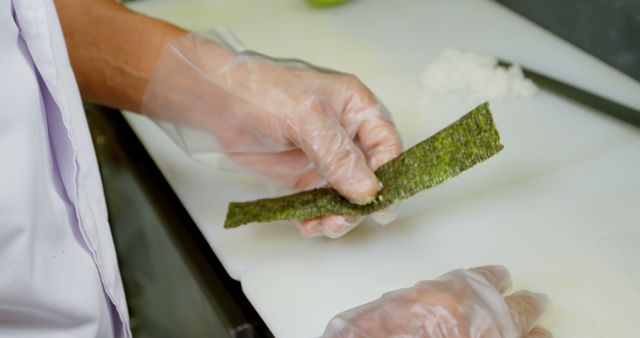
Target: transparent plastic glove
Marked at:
460, 304
337, 226
284, 119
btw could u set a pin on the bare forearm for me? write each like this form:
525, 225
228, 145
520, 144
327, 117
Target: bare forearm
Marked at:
113, 50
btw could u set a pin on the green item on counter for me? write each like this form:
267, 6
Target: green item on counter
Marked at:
323, 3
468, 141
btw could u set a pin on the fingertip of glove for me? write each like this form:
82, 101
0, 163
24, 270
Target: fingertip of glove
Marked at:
310, 228
386, 215
363, 191
496, 275
337, 226
541, 300
527, 308
540, 332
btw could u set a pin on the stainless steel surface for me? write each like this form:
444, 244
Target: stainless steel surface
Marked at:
174, 284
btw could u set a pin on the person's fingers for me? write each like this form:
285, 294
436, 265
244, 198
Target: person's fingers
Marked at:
335, 155
331, 226
380, 141
337, 226
309, 179
496, 275
367, 119
526, 309
310, 227
386, 215
292, 167
539, 332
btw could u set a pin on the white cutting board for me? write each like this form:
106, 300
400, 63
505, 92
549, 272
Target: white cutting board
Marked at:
557, 206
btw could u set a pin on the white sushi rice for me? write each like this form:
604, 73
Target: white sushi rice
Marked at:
476, 76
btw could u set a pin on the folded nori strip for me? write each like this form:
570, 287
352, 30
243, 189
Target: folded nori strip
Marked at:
466, 142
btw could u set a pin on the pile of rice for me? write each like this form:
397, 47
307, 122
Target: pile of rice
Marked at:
477, 76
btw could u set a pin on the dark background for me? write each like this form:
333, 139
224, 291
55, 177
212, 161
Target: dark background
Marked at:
607, 29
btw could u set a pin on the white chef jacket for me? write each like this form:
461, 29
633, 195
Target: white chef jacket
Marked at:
58, 270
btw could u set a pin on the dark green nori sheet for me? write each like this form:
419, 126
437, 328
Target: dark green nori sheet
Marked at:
468, 141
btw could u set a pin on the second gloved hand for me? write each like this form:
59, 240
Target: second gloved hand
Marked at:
459, 304
284, 119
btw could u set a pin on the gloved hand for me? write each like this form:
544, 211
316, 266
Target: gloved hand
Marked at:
459, 304
301, 125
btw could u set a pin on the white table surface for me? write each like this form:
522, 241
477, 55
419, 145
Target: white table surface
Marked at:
559, 206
